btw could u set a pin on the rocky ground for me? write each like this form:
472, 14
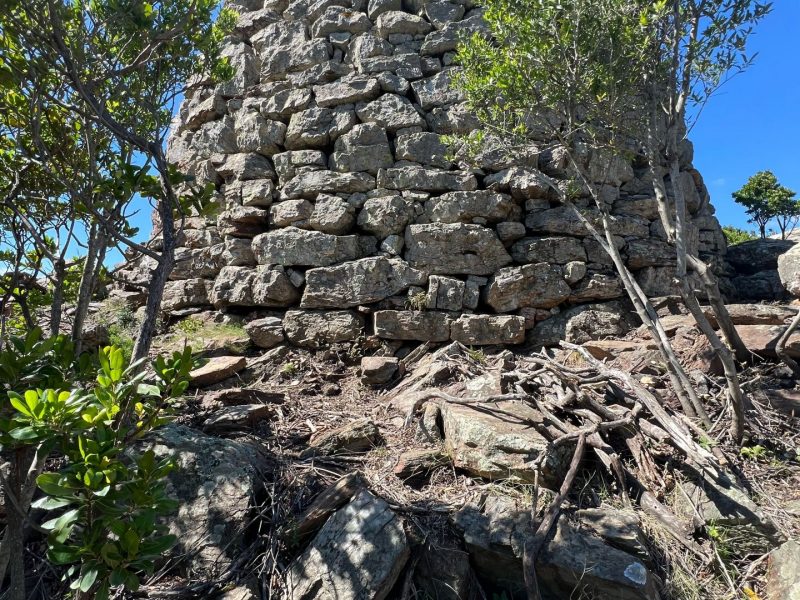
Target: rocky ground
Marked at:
351, 473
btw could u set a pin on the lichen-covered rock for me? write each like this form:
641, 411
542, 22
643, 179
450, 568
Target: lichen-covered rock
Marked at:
308, 185
455, 249
364, 148
426, 180
539, 285
385, 216
358, 554
558, 250
487, 330
298, 247
213, 483
358, 282
318, 127
332, 215
391, 112
423, 326
187, 292
318, 329
783, 575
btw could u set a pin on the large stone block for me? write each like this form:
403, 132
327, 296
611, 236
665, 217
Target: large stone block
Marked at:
358, 282
557, 250
455, 249
318, 329
426, 180
308, 185
464, 207
539, 285
563, 220
486, 330
298, 247
390, 111
245, 286
416, 325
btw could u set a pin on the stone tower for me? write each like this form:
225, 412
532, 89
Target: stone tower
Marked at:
344, 213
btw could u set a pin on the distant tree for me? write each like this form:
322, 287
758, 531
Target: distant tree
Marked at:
764, 199
734, 235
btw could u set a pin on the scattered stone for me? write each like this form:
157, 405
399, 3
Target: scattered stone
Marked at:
232, 418
217, 369
357, 436
377, 370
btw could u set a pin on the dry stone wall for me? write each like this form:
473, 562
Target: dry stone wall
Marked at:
344, 212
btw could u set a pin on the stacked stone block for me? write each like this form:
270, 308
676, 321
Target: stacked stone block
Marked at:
343, 206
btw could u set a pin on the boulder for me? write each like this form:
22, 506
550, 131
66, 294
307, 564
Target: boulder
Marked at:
573, 559
757, 255
539, 285
495, 447
298, 247
358, 554
412, 325
378, 370
214, 483
455, 249
789, 270
783, 572
218, 368
318, 329
486, 330
358, 282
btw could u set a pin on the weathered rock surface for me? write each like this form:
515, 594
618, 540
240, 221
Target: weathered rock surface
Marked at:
455, 249
357, 436
214, 483
486, 330
358, 282
298, 247
266, 332
783, 575
789, 270
316, 329
412, 325
538, 285
358, 554
377, 370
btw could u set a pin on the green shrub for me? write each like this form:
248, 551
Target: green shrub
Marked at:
734, 235
106, 499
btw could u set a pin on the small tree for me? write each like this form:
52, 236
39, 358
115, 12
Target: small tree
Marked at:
121, 67
764, 199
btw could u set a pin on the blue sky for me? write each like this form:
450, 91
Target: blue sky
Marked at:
753, 123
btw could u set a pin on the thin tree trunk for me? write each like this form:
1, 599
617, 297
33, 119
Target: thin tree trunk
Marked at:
14, 539
780, 347
690, 300
155, 290
57, 309
721, 313
86, 288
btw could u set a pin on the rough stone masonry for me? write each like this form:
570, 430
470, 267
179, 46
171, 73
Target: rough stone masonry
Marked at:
345, 213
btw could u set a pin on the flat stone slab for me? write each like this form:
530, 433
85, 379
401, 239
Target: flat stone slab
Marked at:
217, 369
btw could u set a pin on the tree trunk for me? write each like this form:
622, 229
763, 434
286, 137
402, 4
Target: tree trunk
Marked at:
14, 540
690, 300
57, 309
155, 290
91, 267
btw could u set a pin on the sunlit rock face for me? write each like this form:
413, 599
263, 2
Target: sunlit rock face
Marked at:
339, 192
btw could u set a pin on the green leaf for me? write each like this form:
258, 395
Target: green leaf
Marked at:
148, 389
24, 434
87, 579
18, 403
